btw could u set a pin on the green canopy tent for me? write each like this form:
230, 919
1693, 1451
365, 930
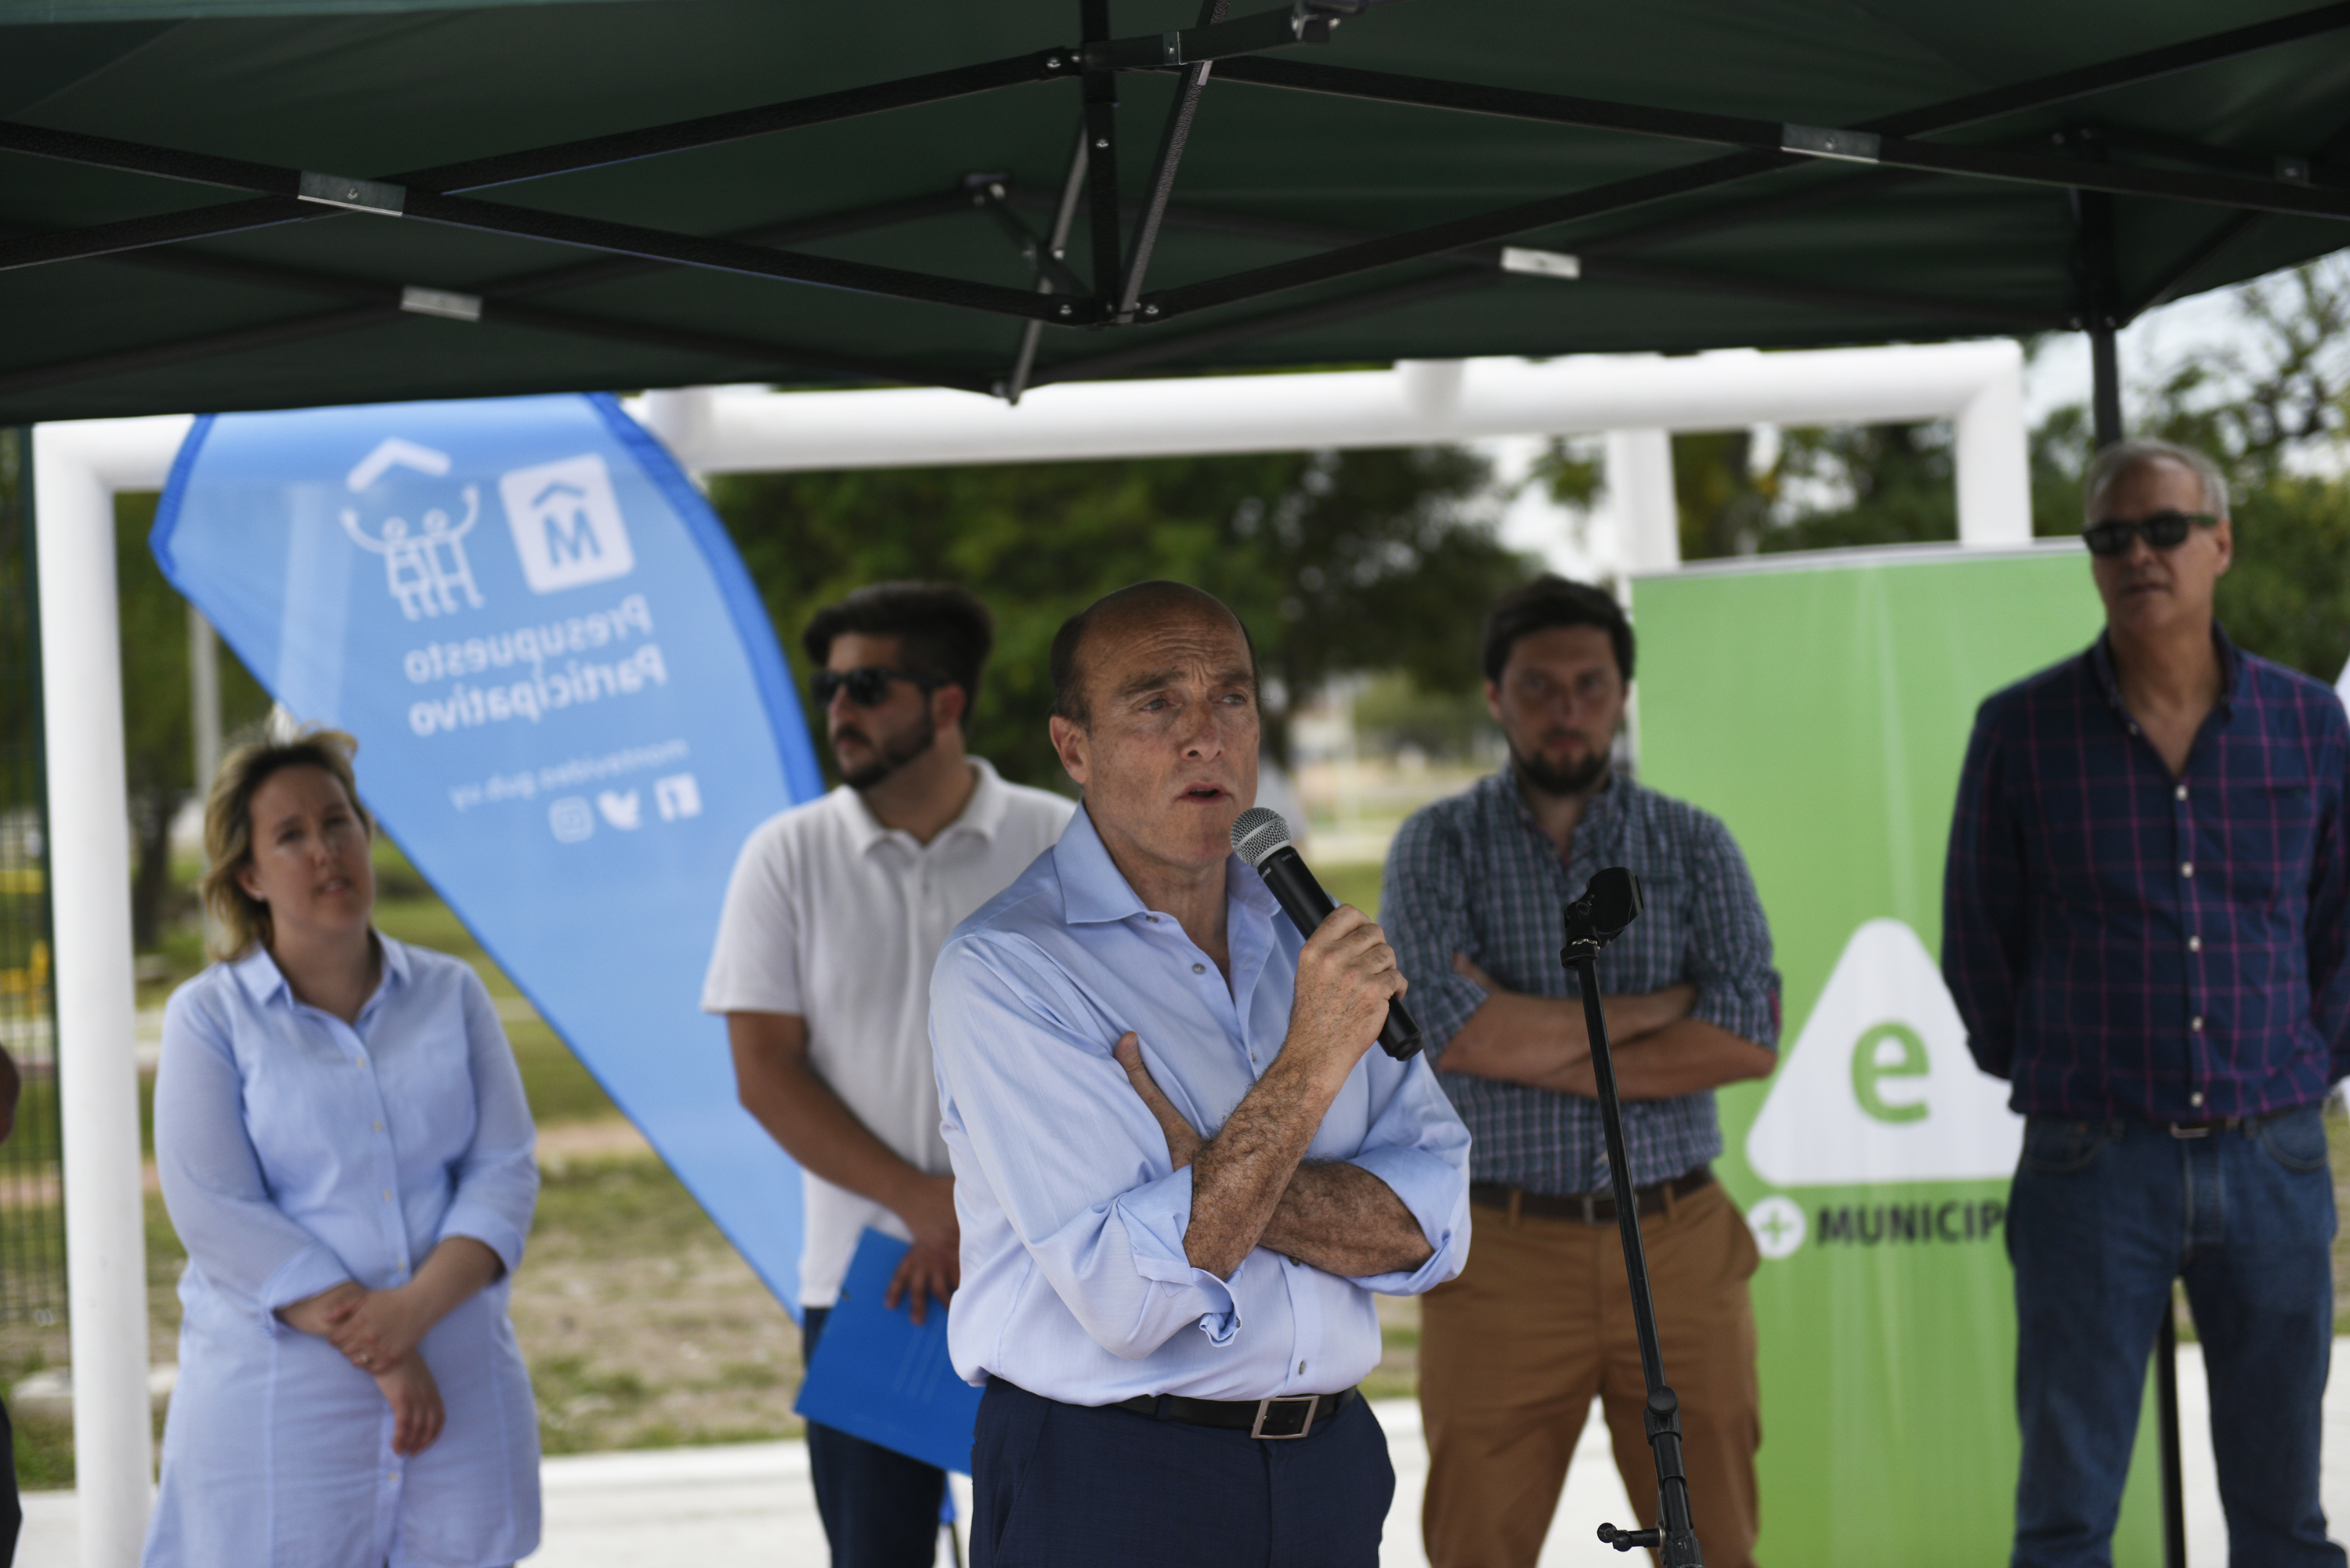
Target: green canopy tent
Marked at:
195, 197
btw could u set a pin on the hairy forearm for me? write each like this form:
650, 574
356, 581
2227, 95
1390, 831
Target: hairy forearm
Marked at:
1525, 1039
1344, 1220
1679, 1059
1240, 1175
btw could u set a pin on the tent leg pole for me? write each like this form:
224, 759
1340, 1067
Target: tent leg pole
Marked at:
97, 1069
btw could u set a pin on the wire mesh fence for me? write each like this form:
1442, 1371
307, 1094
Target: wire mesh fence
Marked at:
32, 1217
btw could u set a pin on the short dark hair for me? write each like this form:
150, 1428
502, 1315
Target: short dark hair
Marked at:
1551, 600
1068, 682
942, 631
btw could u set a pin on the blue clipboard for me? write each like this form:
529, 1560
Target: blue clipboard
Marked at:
877, 1376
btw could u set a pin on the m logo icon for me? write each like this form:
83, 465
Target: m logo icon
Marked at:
567, 524
1880, 1086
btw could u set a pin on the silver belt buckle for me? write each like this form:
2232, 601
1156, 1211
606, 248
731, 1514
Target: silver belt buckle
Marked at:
1302, 1415
2186, 1132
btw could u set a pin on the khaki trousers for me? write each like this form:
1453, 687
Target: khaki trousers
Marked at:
1540, 1323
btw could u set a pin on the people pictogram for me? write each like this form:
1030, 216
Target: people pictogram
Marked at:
424, 571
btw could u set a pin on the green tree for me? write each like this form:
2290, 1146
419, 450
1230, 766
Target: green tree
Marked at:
1898, 477
1725, 505
158, 733
1336, 562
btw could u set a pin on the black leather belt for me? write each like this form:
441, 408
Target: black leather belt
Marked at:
1283, 1415
1591, 1208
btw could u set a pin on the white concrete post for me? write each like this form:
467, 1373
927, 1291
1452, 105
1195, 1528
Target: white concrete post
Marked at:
1993, 460
75, 469
1640, 477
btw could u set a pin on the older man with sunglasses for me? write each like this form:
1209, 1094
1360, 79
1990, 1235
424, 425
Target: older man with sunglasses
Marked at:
835, 917
2146, 922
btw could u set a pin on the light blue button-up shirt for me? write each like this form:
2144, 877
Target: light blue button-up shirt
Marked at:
298, 1151
1075, 1282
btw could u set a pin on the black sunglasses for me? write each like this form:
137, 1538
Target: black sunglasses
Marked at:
2164, 531
867, 687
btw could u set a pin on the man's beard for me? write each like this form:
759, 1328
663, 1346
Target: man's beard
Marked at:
889, 756
1574, 778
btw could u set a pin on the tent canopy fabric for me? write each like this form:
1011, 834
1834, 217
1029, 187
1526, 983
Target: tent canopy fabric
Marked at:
196, 199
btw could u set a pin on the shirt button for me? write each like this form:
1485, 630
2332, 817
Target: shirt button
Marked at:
2132, 729
2196, 1023
2195, 944
1152, 919
2196, 1099
2187, 869
386, 1195
1199, 969
1300, 1366
2182, 792
379, 1127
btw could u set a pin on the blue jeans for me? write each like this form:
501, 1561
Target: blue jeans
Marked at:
881, 1508
2103, 1216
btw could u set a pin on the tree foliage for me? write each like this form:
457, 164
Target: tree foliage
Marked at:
158, 724
1336, 562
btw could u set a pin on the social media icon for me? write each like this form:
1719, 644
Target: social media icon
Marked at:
676, 796
567, 524
571, 819
622, 810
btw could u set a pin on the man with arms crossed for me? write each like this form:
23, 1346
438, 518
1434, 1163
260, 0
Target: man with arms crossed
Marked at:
834, 918
2145, 922
1512, 1353
1182, 1164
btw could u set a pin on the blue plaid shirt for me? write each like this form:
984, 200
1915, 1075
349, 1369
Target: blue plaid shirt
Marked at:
2122, 943
1476, 874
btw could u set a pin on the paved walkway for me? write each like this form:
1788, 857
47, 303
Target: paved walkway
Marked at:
748, 1506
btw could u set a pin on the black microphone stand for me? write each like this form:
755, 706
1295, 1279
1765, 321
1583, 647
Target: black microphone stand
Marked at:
1610, 903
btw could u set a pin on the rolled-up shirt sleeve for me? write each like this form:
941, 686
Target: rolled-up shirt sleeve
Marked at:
212, 1177
1036, 1099
497, 1179
1424, 909
1417, 1146
1730, 942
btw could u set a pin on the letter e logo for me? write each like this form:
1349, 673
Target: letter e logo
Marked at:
567, 524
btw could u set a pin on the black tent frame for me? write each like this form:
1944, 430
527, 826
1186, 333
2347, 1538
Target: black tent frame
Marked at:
2088, 160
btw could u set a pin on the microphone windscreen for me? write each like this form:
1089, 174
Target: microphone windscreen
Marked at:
1257, 833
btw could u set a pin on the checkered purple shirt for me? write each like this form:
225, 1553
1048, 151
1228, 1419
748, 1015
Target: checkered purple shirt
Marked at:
2122, 943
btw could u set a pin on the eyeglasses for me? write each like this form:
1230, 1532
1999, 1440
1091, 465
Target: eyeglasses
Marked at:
868, 688
2163, 531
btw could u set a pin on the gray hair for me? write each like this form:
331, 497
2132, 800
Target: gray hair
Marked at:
2107, 467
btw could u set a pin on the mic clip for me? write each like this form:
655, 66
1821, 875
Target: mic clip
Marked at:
1610, 902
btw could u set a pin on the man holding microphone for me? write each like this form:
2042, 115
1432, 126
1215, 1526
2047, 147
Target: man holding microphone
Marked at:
1182, 1169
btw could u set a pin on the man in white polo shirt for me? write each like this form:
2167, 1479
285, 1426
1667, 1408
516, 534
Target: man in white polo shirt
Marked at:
837, 912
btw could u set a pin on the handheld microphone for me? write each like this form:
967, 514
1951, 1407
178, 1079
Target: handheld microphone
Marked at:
1261, 837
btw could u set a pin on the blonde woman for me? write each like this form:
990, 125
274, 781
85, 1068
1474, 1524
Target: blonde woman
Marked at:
346, 1154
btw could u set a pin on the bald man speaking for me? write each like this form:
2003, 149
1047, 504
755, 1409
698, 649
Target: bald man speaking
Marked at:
1181, 1170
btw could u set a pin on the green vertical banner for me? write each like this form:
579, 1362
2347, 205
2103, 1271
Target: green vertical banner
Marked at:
1820, 705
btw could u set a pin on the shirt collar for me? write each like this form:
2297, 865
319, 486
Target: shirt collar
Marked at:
1599, 812
1095, 891
264, 981
2231, 668
982, 813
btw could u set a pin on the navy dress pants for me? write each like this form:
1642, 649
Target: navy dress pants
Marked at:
881, 1508
1065, 1486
